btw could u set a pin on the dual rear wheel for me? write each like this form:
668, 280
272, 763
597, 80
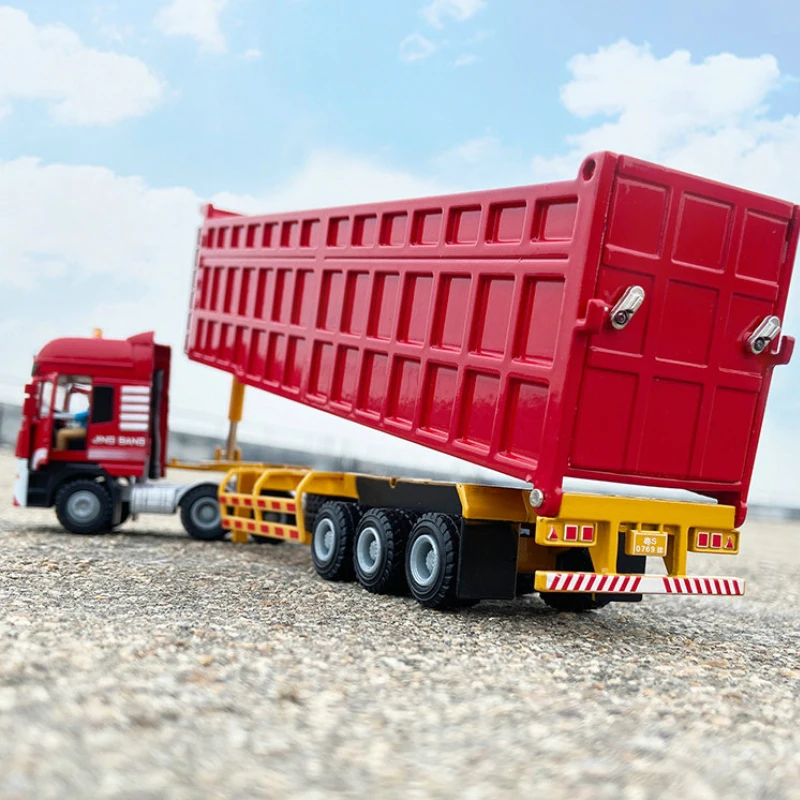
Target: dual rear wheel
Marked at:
388, 551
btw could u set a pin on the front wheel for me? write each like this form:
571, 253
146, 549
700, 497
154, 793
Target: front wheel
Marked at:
200, 514
84, 506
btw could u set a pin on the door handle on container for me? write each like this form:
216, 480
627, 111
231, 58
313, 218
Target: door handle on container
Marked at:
597, 311
761, 338
759, 341
626, 307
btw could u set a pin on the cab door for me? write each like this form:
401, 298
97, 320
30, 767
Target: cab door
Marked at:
44, 425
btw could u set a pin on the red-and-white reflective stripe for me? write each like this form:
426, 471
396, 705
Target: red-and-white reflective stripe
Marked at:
641, 584
287, 506
589, 582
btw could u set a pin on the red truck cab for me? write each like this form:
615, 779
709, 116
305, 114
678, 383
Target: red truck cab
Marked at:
94, 430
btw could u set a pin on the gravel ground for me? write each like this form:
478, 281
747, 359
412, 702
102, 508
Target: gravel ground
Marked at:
143, 664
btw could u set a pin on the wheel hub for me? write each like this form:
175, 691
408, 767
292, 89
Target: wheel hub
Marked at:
324, 539
83, 506
205, 513
369, 550
424, 560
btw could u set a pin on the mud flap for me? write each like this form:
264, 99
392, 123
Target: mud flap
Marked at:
487, 561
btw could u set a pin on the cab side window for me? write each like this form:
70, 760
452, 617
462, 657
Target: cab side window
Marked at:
72, 394
45, 398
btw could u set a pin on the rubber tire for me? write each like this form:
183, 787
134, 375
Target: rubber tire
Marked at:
524, 584
575, 560
441, 594
124, 513
209, 534
100, 523
343, 521
312, 504
392, 527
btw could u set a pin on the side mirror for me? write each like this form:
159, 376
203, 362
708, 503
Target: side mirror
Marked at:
29, 403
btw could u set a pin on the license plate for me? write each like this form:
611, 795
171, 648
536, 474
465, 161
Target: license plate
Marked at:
646, 543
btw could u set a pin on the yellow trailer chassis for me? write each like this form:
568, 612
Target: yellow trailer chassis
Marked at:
595, 551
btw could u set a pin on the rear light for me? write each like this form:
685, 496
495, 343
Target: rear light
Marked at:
559, 533
714, 542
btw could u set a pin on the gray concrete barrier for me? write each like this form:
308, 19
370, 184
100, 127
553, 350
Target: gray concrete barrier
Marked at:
186, 446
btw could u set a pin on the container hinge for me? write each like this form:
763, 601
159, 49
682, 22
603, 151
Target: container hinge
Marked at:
760, 339
626, 307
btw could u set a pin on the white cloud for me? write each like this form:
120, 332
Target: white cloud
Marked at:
93, 222
717, 90
330, 178
106, 22
252, 54
474, 150
465, 60
479, 37
438, 11
709, 117
115, 33
483, 162
416, 47
197, 19
81, 85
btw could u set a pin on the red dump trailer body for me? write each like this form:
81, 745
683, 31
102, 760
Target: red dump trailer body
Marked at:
483, 324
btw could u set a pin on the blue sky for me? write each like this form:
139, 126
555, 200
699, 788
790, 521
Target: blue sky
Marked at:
330, 74
117, 119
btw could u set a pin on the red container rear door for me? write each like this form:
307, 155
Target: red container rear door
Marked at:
675, 397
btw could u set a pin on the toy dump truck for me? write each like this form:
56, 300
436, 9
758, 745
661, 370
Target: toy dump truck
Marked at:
618, 328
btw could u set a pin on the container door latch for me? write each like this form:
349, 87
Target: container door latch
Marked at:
761, 338
626, 307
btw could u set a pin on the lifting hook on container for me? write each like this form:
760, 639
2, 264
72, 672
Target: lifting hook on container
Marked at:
626, 307
760, 339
